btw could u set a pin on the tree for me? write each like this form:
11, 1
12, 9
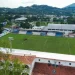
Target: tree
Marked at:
55, 20
38, 23
71, 20
25, 25
2, 18
1, 28
14, 67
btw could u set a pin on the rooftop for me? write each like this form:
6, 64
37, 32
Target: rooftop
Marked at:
60, 26
56, 56
20, 19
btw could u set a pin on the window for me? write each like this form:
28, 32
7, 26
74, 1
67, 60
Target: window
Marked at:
49, 61
59, 62
49, 29
69, 63
39, 59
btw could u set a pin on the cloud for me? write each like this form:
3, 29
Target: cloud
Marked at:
17, 3
10, 3
55, 3
28, 1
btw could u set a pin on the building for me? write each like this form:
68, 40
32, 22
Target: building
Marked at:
21, 19
60, 27
43, 63
38, 27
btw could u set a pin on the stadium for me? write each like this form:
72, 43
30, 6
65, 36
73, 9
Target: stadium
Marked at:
63, 30
37, 37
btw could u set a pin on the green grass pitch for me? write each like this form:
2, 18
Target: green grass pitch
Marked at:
42, 43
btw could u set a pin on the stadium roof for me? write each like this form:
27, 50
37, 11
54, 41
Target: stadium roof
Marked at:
60, 26
62, 57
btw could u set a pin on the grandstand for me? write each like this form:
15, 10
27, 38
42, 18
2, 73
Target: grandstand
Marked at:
60, 27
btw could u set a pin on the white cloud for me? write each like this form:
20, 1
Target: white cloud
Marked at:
17, 3
55, 3
10, 3
28, 1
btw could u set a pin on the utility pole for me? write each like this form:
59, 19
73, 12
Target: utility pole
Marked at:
10, 40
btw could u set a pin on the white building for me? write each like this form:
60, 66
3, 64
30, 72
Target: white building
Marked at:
62, 61
20, 19
38, 27
60, 27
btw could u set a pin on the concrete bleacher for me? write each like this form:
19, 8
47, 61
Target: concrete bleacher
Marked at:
22, 32
50, 34
36, 33
45, 69
4, 33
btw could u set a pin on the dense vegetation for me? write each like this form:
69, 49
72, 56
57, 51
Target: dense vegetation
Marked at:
43, 43
1, 28
39, 14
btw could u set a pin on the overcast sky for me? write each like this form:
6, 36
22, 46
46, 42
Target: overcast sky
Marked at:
17, 3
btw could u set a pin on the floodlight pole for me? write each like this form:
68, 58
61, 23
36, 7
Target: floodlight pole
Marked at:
10, 40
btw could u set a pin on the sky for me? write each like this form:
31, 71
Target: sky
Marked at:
17, 3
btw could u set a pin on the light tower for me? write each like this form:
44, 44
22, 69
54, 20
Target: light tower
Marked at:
10, 40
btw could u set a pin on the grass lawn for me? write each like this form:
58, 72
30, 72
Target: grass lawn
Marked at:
42, 43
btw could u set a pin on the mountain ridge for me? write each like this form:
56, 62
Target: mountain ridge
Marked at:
38, 10
70, 5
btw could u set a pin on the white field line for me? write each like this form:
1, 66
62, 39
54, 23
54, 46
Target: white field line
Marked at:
45, 42
69, 47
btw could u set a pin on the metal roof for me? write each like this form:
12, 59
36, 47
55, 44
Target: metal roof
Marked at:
60, 26
20, 19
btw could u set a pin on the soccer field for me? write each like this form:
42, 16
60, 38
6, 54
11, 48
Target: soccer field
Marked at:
42, 43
